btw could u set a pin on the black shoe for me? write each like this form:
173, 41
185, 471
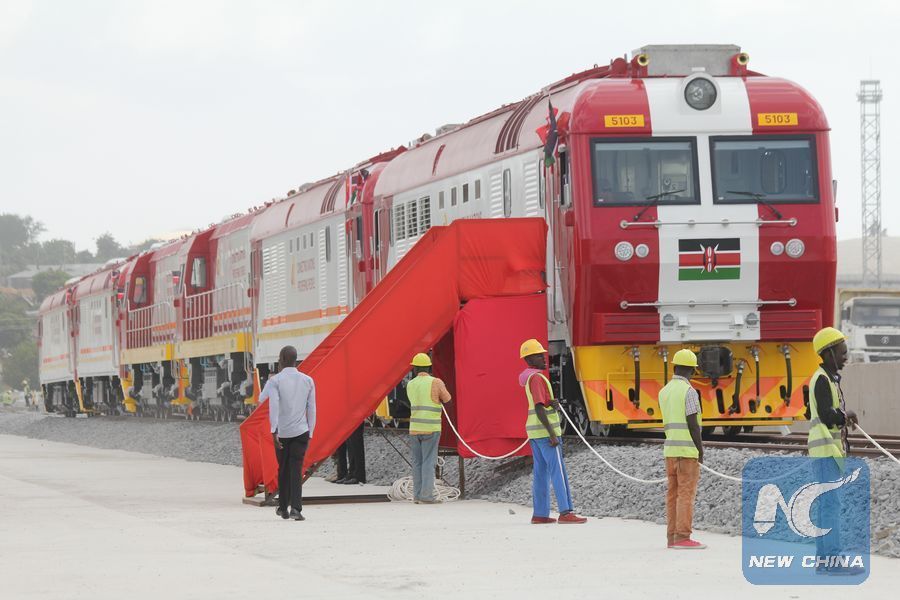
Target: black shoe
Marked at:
297, 515
282, 512
350, 481
341, 480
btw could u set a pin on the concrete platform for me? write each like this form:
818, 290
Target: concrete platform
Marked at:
78, 522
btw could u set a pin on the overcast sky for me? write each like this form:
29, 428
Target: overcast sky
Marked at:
144, 117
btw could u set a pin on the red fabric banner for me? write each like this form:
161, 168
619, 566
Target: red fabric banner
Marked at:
491, 406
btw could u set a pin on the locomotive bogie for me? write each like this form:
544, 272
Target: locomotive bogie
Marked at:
759, 371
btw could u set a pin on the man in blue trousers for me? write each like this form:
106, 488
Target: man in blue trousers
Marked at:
544, 433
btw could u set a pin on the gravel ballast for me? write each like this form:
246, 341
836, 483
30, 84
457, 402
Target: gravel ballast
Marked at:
598, 491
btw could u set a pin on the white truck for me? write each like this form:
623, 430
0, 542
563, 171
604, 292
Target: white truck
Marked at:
870, 318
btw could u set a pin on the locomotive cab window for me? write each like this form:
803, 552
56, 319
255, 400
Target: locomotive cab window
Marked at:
139, 295
774, 169
198, 272
645, 171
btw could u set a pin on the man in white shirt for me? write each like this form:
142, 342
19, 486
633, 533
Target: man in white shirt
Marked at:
292, 416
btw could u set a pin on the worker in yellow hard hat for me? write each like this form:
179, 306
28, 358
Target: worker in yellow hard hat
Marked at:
683, 450
829, 417
545, 437
827, 442
426, 393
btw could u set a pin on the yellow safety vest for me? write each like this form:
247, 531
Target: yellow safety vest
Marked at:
424, 415
672, 399
533, 426
823, 441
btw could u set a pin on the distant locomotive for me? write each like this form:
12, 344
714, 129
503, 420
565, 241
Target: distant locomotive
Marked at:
689, 202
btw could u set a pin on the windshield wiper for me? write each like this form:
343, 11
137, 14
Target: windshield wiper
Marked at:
654, 200
760, 199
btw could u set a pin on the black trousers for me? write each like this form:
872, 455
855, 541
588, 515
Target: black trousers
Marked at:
290, 478
351, 457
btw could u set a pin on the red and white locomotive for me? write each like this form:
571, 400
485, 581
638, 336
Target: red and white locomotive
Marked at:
689, 201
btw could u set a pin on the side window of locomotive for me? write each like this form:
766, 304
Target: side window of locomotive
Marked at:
140, 290
565, 197
772, 169
507, 193
465, 192
478, 189
198, 273
441, 200
377, 232
644, 171
453, 196
328, 244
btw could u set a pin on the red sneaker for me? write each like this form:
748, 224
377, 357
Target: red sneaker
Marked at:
542, 520
688, 544
571, 518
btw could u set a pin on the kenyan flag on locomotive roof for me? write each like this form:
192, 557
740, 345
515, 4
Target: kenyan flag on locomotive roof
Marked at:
709, 258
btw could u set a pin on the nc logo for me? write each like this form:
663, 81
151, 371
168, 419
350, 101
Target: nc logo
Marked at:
797, 509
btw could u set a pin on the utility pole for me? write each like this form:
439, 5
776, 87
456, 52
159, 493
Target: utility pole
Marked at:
869, 97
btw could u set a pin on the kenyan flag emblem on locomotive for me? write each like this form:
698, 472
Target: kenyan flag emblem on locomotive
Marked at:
705, 259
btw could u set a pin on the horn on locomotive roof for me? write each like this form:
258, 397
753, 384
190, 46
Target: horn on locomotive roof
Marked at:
743, 59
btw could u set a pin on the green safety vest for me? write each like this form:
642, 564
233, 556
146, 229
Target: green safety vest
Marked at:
823, 441
679, 443
424, 415
533, 426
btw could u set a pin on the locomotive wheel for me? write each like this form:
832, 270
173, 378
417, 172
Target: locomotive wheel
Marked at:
748, 428
732, 431
707, 431
580, 418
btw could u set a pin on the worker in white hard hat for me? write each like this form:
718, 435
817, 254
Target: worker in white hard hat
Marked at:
426, 393
683, 450
545, 437
829, 420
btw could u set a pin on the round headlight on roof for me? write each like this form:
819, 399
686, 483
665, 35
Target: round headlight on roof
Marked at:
700, 93
624, 251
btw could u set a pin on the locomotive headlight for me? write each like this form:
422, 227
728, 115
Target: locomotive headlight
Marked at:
624, 251
795, 248
777, 248
700, 93
752, 319
642, 250
669, 320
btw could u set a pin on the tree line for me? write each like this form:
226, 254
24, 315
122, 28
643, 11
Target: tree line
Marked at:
19, 249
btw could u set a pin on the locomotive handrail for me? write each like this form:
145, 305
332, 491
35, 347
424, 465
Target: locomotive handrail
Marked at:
221, 310
792, 222
148, 325
692, 303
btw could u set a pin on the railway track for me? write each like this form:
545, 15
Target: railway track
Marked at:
763, 441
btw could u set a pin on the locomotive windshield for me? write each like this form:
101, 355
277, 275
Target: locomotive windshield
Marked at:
636, 172
777, 169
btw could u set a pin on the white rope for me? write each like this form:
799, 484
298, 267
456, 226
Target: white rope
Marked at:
608, 464
626, 475
472, 450
402, 489
877, 445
